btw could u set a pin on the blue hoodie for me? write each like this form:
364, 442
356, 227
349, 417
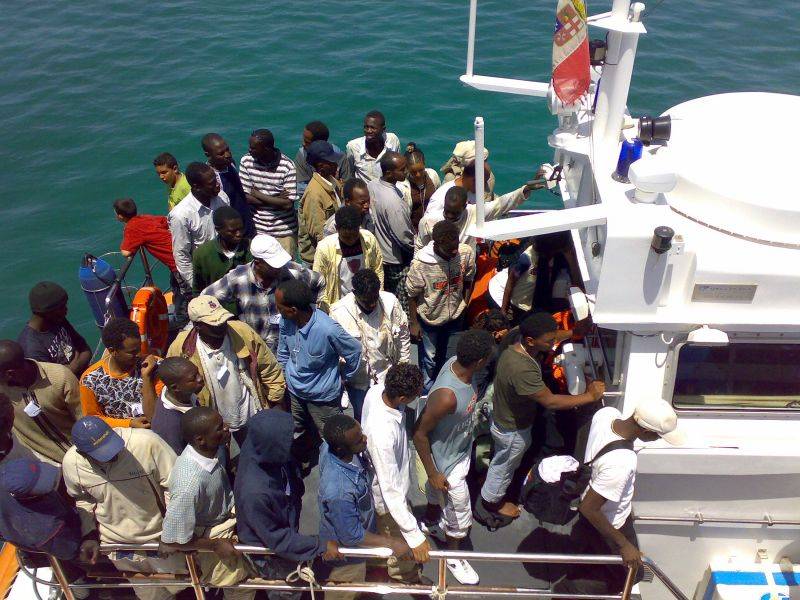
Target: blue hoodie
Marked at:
269, 490
47, 523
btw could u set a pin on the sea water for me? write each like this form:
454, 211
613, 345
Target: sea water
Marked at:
91, 92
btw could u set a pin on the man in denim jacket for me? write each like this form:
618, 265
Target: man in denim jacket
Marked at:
346, 508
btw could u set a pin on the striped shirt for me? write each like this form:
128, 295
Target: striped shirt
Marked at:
256, 305
271, 180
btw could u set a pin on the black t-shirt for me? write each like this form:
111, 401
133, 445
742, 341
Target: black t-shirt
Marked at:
59, 345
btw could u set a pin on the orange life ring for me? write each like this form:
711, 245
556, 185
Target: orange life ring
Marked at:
149, 312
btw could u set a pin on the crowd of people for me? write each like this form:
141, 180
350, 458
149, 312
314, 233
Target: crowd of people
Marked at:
299, 287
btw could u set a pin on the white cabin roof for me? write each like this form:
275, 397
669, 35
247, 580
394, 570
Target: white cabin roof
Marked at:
735, 159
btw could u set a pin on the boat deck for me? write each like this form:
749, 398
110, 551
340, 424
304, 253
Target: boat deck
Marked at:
525, 534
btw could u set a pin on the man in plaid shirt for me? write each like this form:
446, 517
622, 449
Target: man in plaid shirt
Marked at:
252, 286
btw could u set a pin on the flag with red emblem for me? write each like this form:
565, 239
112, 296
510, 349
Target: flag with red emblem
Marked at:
570, 51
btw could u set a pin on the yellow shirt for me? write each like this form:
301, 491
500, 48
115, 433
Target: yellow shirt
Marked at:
178, 193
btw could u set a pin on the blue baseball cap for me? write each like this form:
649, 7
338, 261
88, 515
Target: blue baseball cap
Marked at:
321, 150
23, 477
93, 436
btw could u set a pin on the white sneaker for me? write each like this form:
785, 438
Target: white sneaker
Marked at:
462, 571
433, 530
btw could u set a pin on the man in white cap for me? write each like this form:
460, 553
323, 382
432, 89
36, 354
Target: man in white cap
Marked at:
240, 373
251, 287
605, 525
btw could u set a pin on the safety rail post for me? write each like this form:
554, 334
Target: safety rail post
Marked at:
61, 577
662, 577
194, 575
441, 583
626, 589
480, 208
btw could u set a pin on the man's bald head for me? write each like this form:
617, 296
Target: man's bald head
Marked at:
210, 140
393, 166
217, 150
11, 355
14, 369
196, 422
455, 202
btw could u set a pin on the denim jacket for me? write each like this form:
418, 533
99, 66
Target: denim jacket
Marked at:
310, 357
346, 508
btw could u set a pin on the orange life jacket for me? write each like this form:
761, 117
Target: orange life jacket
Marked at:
149, 312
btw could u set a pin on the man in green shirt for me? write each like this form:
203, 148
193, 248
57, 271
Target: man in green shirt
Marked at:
212, 260
170, 173
518, 389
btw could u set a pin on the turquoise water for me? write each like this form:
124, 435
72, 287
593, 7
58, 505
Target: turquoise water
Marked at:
91, 92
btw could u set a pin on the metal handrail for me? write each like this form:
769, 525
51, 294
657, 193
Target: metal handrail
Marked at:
699, 519
439, 590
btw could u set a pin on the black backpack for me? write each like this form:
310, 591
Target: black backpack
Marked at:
557, 502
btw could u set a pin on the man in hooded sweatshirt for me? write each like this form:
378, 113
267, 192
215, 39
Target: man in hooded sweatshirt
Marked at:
268, 494
439, 286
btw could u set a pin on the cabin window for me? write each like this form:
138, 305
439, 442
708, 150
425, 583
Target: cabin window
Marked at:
736, 376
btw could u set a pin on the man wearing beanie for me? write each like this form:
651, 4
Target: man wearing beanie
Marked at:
48, 336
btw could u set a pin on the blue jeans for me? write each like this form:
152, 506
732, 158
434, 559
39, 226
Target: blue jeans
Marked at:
509, 448
433, 350
356, 400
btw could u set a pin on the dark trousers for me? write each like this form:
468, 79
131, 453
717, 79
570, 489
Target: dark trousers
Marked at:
181, 294
276, 568
394, 282
596, 579
433, 349
309, 421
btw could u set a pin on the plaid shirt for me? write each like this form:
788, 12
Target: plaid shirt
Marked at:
256, 305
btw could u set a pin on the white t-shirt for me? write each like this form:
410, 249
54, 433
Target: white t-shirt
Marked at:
614, 473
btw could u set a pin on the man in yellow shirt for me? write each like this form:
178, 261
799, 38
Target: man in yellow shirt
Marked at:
170, 173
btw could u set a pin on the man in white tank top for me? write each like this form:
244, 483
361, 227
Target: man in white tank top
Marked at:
443, 439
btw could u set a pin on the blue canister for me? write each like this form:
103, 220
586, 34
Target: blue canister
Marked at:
629, 153
97, 278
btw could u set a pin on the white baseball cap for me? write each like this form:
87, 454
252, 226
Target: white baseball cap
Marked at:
659, 417
268, 249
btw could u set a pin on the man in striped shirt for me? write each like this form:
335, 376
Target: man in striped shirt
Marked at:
269, 180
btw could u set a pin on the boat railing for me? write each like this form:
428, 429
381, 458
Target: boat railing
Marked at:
304, 579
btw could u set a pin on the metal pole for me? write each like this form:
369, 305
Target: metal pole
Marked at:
480, 213
194, 576
674, 590
441, 584
148, 274
473, 17
61, 577
626, 589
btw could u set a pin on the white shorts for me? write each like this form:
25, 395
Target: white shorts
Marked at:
456, 516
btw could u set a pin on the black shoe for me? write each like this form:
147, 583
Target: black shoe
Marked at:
491, 519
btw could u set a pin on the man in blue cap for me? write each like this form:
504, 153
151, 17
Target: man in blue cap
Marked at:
322, 196
118, 478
